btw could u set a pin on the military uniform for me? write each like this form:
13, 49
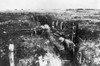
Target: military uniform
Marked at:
69, 47
51, 38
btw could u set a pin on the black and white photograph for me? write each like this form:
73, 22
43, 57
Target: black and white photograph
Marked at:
49, 33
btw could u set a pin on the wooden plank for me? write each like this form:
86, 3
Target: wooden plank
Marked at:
11, 54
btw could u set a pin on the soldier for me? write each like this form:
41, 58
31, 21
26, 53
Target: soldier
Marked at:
68, 43
39, 30
50, 36
69, 46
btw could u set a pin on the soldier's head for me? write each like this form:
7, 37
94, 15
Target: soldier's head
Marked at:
47, 28
61, 39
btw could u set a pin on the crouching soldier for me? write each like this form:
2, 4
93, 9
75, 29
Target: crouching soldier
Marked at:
69, 47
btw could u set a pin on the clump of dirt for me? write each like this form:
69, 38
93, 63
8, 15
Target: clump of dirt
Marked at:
89, 52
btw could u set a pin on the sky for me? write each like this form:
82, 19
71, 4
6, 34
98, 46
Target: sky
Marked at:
48, 4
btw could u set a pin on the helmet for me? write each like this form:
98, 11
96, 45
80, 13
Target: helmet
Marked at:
61, 39
46, 26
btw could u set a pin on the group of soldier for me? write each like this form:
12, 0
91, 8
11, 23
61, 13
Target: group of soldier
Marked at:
66, 45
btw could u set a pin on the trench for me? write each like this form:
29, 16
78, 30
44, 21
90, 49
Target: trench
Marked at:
14, 32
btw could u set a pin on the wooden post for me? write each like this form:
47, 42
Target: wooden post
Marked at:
61, 26
53, 25
35, 31
73, 31
11, 54
57, 25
